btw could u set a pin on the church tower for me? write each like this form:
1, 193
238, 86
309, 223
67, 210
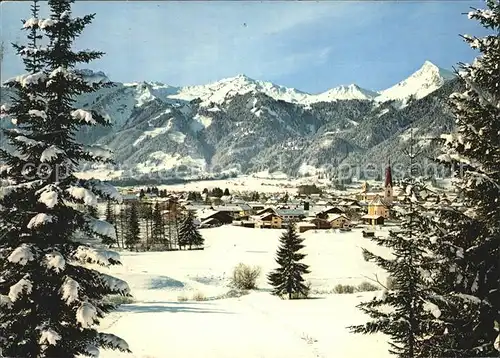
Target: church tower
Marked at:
388, 191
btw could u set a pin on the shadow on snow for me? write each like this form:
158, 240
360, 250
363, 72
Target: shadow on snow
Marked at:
168, 307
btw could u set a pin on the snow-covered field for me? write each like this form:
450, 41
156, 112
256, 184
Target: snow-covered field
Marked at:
256, 325
238, 184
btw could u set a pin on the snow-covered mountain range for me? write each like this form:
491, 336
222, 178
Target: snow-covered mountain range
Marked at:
424, 81
244, 125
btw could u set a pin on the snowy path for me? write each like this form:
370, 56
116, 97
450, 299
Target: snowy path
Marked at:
253, 326
205, 329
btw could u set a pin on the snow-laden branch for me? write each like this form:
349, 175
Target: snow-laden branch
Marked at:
55, 261
24, 285
106, 190
86, 314
38, 113
79, 193
39, 220
83, 116
109, 340
115, 285
98, 151
21, 255
30, 23
48, 196
49, 337
50, 154
69, 290
87, 254
28, 79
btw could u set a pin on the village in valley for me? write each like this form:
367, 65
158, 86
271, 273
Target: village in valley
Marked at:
316, 207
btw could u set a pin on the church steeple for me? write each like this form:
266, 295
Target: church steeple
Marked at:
388, 192
388, 175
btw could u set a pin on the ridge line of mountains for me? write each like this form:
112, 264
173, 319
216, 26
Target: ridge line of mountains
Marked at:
241, 126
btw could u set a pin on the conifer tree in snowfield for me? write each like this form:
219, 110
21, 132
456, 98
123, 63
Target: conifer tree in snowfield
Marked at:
158, 225
467, 247
50, 303
146, 213
110, 212
110, 218
133, 231
189, 235
406, 312
287, 279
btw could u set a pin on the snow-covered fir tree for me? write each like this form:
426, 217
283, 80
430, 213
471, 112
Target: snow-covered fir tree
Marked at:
288, 279
110, 212
110, 218
406, 312
189, 235
50, 302
158, 225
146, 214
467, 244
133, 230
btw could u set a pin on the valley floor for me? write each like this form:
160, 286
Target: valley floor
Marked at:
158, 324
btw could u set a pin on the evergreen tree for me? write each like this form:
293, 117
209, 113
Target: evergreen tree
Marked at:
406, 312
287, 279
110, 212
226, 192
51, 304
132, 232
207, 200
122, 225
189, 235
147, 215
467, 247
110, 218
142, 194
158, 225
217, 192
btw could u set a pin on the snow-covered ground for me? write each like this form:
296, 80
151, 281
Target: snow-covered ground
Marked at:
256, 325
244, 183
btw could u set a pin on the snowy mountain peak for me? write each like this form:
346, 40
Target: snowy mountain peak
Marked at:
218, 92
425, 80
92, 76
346, 92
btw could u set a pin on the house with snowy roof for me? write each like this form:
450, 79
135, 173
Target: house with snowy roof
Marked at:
338, 220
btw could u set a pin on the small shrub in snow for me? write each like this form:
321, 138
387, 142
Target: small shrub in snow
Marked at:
199, 296
245, 277
344, 289
367, 286
182, 298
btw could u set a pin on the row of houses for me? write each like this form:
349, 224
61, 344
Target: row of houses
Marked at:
272, 217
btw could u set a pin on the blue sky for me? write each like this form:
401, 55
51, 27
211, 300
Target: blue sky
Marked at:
311, 46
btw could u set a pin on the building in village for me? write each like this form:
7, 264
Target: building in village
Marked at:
338, 221
268, 220
379, 206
